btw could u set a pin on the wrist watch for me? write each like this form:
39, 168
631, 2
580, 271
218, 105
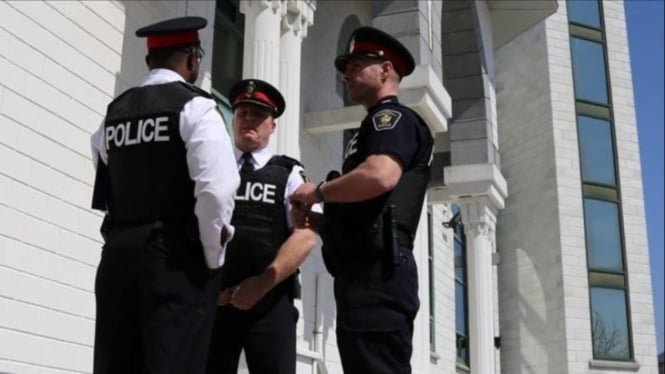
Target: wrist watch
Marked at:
319, 191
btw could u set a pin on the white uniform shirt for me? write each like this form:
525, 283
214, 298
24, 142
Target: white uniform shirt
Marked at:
211, 165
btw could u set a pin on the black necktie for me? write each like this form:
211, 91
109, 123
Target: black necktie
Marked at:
247, 164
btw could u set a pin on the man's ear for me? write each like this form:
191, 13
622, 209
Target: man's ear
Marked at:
190, 60
386, 68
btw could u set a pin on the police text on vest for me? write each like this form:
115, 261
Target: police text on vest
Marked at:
144, 131
256, 192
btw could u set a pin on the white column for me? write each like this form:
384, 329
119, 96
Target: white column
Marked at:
262, 25
298, 15
479, 218
261, 52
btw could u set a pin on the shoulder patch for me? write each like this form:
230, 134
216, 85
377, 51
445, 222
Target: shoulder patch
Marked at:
386, 119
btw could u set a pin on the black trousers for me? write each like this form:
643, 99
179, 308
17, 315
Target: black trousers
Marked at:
155, 302
268, 338
375, 313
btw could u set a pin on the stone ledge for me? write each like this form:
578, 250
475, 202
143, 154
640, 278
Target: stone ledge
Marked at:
616, 365
421, 91
473, 180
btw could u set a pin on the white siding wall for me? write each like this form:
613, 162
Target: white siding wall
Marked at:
62, 62
528, 228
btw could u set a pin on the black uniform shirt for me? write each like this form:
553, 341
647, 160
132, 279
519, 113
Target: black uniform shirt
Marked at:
389, 128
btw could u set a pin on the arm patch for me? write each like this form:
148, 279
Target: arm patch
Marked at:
386, 119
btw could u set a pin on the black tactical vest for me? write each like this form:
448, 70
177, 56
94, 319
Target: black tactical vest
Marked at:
259, 218
409, 194
148, 177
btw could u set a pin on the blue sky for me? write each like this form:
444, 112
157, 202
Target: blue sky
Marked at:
644, 19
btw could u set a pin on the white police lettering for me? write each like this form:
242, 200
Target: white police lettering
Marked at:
145, 131
256, 192
351, 146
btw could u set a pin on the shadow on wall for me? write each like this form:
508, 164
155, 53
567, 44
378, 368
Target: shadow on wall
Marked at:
132, 66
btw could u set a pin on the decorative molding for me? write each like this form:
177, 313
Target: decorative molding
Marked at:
479, 218
297, 16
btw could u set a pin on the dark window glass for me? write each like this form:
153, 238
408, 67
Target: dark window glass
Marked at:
584, 12
589, 70
596, 152
461, 306
459, 261
609, 324
227, 46
601, 220
430, 265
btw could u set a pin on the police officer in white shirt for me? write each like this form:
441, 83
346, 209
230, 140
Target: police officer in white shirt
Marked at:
166, 177
259, 281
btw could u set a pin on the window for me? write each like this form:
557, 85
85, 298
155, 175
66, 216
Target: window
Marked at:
589, 70
603, 235
584, 12
227, 52
609, 324
461, 299
430, 266
596, 151
608, 278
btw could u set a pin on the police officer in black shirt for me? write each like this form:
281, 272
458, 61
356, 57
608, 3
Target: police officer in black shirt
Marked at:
166, 176
371, 211
256, 311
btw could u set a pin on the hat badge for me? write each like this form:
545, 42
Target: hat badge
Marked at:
251, 88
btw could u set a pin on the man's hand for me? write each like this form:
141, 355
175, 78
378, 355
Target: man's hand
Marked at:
303, 217
305, 194
250, 291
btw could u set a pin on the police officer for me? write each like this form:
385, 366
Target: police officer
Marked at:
256, 311
165, 177
372, 210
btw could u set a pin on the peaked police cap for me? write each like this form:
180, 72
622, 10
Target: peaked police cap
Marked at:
371, 42
258, 92
173, 32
